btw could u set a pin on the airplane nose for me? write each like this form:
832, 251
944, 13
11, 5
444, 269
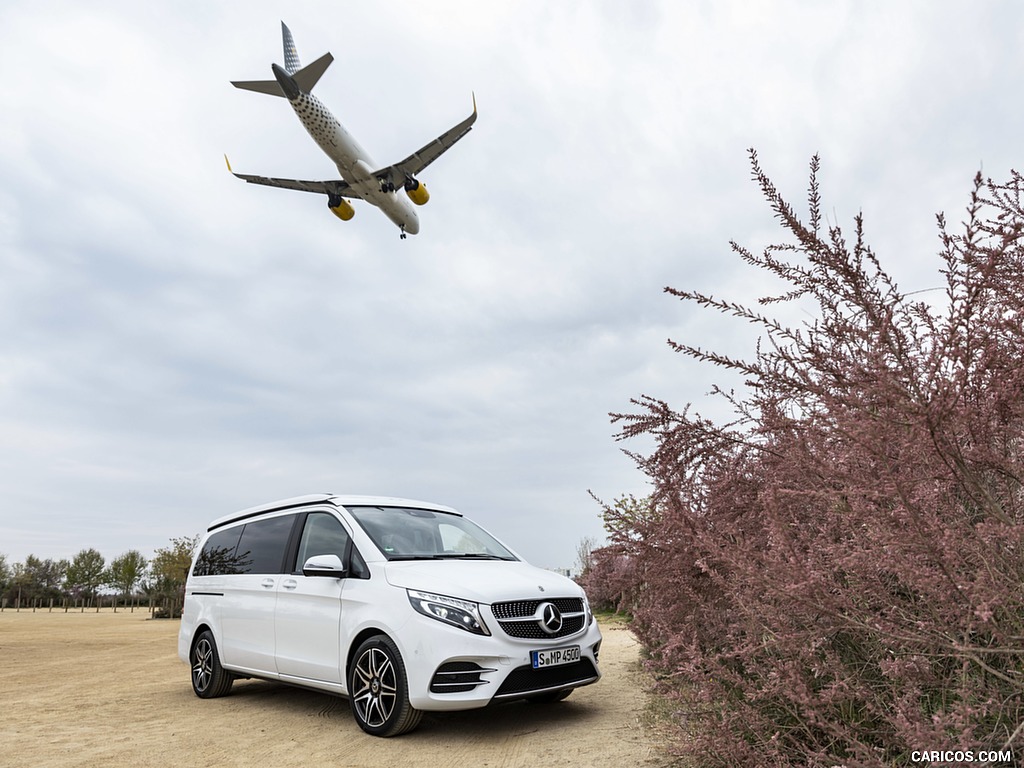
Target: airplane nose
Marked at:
287, 82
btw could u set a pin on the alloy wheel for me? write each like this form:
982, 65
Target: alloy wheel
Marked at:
377, 690
202, 664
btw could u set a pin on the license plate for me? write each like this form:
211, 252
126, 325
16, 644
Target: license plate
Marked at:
555, 657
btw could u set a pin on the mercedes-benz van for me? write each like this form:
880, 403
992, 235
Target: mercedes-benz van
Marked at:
401, 606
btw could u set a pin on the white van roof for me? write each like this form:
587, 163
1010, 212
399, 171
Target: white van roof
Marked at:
339, 500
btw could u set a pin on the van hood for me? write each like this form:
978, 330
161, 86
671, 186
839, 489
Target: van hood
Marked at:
482, 581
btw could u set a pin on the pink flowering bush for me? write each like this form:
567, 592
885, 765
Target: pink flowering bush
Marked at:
836, 575
612, 578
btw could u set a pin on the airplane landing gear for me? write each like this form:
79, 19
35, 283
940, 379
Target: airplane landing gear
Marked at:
402, 236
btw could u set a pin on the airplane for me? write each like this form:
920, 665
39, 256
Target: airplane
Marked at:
361, 177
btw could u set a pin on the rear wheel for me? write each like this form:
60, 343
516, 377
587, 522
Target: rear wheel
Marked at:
209, 678
379, 689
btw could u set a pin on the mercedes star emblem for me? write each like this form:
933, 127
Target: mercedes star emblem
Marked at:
550, 618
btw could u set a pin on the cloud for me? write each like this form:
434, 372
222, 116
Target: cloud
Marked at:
177, 344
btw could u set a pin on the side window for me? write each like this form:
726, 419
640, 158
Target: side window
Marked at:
263, 543
323, 535
218, 555
357, 568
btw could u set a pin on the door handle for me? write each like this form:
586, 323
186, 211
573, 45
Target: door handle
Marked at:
289, 584
268, 583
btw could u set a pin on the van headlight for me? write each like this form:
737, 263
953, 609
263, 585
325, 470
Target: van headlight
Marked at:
459, 613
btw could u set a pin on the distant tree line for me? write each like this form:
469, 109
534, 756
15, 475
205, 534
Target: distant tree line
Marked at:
83, 578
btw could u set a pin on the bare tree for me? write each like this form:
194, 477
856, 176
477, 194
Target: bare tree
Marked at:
169, 570
584, 554
86, 574
125, 572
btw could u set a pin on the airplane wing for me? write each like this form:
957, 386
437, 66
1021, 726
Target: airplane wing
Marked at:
329, 187
397, 174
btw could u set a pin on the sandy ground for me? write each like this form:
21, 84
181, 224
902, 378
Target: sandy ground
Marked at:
106, 689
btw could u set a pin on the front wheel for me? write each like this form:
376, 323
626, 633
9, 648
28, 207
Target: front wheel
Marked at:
209, 678
379, 689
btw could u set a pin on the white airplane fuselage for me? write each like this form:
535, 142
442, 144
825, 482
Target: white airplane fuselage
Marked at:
394, 189
354, 164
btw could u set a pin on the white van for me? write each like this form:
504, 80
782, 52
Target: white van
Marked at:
402, 606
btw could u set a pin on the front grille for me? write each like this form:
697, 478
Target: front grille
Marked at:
523, 680
531, 630
457, 677
520, 608
518, 618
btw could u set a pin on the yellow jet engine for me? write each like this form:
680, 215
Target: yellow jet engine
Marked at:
416, 191
341, 208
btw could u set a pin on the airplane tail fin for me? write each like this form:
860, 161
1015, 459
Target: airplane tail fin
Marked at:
310, 74
305, 77
291, 53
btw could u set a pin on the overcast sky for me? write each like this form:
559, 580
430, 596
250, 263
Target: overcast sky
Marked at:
176, 344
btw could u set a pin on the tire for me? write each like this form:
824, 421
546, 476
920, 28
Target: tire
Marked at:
209, 678
550, 697
378, 689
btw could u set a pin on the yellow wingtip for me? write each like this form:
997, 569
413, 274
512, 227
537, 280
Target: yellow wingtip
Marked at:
227, 162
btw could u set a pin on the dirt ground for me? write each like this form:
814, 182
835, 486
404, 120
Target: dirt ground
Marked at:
106, 689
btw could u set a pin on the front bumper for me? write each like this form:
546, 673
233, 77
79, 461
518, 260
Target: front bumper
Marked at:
450, 669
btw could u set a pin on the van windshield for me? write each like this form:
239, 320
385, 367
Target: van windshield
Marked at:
402, 533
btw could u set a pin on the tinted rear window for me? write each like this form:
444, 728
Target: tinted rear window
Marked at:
218, 555
262, 546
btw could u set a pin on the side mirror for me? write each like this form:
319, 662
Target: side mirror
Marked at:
324, 565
